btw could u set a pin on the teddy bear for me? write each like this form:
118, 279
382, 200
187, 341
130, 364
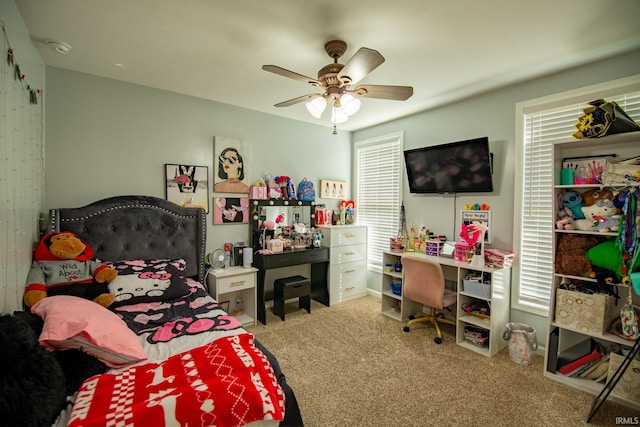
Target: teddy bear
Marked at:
571, 258
591, 197
600, 217
63, 265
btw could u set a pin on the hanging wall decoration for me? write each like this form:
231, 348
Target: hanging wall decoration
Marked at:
230, 165
333, 189
19, 76
230, 210
187, 185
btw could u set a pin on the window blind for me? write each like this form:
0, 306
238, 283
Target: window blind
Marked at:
378, 169
537, 217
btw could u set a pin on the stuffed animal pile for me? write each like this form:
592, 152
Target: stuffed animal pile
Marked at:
63, 265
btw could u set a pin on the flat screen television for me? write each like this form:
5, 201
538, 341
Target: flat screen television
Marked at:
457, 167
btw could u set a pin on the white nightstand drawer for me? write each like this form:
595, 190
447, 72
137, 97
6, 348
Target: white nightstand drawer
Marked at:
236, 283
350, 253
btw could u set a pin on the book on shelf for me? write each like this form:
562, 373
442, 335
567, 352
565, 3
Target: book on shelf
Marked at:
581, 364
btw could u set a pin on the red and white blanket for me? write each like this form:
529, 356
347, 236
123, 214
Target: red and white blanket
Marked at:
227, 382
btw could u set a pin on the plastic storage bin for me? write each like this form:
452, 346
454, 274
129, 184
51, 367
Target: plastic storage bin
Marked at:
396, 287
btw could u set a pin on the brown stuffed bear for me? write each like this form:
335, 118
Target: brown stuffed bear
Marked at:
571, 255
591, 197
63, 265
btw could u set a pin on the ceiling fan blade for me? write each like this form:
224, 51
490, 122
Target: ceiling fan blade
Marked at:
290, 74
398, 93
362, 63
297, 100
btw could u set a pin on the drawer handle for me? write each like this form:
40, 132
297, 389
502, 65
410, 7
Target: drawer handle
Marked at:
349, 253
349, 235
350, 271
350, 288
241, 282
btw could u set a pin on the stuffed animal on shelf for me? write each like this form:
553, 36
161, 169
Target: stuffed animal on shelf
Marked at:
573, 201
592, 197
599, 217
63, 265
571, 258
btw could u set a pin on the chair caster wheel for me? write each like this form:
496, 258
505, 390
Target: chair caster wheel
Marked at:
411, 317
437, 340
406, 329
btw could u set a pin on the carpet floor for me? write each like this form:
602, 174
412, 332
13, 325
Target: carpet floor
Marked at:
349, 365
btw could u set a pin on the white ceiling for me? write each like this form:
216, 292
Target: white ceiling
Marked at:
214, 49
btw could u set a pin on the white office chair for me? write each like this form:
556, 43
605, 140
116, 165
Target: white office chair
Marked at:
424, 283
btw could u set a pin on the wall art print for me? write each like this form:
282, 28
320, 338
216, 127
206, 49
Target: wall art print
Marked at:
187, 185
231, 165
230, 209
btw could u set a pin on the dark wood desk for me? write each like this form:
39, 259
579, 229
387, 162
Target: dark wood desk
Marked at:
318, 258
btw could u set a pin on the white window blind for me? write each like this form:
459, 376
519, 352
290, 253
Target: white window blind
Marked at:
378, 169
541, 129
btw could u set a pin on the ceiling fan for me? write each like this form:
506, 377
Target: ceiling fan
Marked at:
335, 80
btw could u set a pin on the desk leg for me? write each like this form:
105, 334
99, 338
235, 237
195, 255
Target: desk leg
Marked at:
319, 282
262, 311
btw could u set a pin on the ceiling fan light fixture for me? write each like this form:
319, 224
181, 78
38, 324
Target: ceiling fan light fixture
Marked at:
350, 103
338, 115
316, 106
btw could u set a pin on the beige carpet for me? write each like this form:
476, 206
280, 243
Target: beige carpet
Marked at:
351, 366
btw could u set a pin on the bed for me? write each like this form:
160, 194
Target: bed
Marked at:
200, 366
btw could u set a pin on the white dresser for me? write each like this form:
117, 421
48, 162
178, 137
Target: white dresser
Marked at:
348, 266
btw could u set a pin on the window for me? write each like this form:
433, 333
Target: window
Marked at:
542, 123
378, 170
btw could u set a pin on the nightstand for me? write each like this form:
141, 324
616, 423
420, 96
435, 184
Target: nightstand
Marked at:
237, 286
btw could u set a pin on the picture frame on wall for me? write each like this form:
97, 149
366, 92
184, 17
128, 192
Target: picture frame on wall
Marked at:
230, 209
230, 160
484, 217
187, 185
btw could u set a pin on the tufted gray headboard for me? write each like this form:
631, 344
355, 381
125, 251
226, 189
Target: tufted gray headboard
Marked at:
138, 227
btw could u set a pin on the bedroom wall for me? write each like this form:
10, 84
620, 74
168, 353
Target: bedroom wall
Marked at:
107, 138
493, 115
21, 159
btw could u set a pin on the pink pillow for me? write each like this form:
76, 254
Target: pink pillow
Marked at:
75, 323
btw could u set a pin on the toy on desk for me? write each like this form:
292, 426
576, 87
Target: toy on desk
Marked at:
473, 234
286, 186
476, 207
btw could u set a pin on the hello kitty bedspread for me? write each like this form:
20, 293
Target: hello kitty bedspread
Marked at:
203, 369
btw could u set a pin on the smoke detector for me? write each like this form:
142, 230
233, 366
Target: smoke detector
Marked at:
61, 47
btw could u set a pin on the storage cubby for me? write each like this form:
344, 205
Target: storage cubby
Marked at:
577, 325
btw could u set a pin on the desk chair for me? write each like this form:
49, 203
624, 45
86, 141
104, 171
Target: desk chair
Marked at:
423, 283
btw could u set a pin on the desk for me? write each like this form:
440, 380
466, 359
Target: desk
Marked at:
318, 258
399, 308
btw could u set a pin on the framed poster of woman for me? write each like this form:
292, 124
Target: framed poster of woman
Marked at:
230, 160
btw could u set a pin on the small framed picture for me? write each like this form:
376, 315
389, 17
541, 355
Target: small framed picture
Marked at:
187, 185
230, 209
